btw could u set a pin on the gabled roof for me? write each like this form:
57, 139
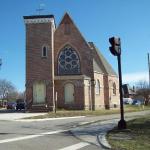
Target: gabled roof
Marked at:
107, 67
66, 19
96, 67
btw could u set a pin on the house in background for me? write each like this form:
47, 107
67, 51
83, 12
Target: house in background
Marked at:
128, 92
60, 60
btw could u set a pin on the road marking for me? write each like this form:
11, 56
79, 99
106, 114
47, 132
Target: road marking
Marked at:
31, 136
76, 146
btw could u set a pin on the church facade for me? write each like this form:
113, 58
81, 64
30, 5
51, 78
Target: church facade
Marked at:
63, 68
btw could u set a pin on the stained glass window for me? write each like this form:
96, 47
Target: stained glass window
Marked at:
68, 61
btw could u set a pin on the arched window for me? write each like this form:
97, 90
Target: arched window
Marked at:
114, 88
97, 87
68, 61
44, 51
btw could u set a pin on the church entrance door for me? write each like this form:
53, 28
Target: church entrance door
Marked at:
69, 93
39, 93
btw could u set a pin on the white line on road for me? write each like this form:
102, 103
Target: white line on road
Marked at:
76, 146
31, 136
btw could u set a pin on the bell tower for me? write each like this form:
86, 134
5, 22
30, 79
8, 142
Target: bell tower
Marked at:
39, 61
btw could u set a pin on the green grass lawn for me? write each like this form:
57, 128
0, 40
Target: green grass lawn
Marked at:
71, 113
136, 137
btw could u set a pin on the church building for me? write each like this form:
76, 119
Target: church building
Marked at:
63, 68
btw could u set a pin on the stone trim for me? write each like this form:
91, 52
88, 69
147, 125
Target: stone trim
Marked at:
98, 72
38, 20
70, 77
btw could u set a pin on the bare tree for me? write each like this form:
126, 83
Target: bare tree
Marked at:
12, 95
21, 95
143, 90
6, 87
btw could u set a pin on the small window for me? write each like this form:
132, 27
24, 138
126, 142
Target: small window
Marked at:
97, 87
114, 88
44, 51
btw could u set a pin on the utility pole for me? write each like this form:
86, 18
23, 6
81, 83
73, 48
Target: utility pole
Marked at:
0, 62
149, 68
115, 49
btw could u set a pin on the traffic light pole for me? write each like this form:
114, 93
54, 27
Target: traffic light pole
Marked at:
122, 122
115, 49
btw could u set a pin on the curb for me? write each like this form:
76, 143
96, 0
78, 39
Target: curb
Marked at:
48, 119
103, 141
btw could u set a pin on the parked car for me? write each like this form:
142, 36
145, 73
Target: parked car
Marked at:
137, 102
20, 104
127, 101
11, 105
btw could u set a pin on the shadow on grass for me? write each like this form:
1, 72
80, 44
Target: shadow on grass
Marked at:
135, 137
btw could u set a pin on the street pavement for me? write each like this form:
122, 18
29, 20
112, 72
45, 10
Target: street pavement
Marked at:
62, 134
13, 114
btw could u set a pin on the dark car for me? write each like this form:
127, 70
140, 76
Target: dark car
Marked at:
137, 102
20, 104
11, 105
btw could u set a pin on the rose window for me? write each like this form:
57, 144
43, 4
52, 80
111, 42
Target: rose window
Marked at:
68, 61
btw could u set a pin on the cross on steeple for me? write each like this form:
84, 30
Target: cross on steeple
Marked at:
40, 9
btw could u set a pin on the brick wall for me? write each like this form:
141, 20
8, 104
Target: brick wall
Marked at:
99, 98
39, 68
114, 99
76, 40
78, 94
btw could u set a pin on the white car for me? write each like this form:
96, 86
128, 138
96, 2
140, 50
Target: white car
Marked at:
127, 101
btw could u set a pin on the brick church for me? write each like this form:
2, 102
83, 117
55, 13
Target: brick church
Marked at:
61, 65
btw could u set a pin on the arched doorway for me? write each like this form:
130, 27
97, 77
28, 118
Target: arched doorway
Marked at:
69, 93
39, 93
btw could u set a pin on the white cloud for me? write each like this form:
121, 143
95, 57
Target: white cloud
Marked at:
135, 77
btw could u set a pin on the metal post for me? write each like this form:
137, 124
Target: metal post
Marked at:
122, 122
149, 68
0, 62
55, 102
115, 49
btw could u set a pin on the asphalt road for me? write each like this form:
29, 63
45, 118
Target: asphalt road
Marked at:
50, 134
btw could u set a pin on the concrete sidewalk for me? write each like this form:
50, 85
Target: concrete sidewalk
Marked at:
95, 133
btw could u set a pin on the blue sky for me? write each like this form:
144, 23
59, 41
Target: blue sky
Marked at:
96, 19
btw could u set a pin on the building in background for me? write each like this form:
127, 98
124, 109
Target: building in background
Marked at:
128, 92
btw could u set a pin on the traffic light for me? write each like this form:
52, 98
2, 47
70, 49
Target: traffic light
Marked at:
115, 48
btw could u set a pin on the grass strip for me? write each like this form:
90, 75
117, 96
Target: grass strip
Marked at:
136, 137
71, 113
